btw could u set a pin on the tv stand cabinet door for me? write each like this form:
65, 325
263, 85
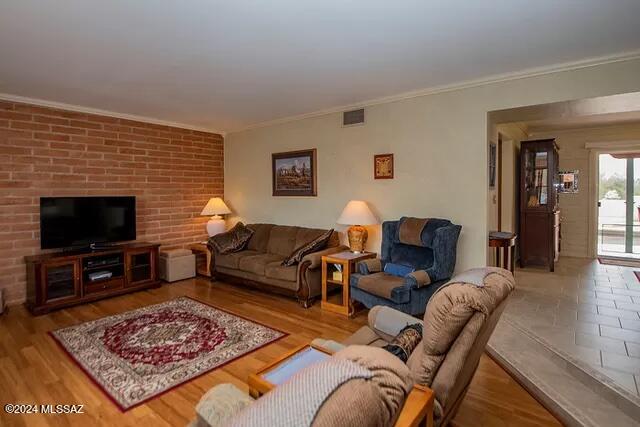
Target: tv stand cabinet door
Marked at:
141, 266
60, 282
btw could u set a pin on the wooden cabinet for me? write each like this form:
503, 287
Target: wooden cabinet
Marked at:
539, 210
60, 282
62, 279
141, 266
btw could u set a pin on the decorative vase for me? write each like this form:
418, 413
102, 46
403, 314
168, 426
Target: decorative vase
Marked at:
357, 238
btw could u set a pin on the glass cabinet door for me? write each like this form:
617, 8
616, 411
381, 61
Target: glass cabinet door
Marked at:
141, 267
61, 281
536, 178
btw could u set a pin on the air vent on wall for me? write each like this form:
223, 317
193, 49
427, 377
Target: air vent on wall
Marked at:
353, 117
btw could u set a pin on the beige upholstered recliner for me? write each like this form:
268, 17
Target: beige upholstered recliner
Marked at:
374, 383
458, 322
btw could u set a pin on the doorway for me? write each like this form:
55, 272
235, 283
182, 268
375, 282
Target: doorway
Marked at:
618, 205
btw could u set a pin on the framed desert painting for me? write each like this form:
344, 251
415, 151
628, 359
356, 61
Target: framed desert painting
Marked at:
383, 166
294, 173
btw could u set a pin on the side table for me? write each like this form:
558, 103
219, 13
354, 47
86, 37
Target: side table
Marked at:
506, 241
203, 258
342, 263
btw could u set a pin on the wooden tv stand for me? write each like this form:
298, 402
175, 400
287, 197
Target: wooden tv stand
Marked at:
62, 279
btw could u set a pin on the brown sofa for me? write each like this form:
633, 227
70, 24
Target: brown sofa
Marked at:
259, 264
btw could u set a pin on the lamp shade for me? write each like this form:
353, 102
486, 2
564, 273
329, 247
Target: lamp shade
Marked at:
357, 212
215, 206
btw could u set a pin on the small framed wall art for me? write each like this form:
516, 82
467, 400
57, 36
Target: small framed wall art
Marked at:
294, 173
383, 166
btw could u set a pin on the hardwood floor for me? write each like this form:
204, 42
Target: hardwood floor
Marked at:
34, 370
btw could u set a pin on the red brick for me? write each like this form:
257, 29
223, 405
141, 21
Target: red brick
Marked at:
86, 154
11, 115
85, 124
51, 120
51, 136
68, 130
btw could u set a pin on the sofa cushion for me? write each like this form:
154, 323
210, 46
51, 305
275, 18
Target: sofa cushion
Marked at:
383, 285
232, 240
256, 264
313, 245
398, 270
276, 270
232, 260
260, 238
282, 240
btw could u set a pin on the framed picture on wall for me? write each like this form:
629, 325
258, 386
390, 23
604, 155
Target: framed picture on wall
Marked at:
383, 166
492, 165
294, 173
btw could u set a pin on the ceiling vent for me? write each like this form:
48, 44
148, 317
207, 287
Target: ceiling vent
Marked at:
353, 117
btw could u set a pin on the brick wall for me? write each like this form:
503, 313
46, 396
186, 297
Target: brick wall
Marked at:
48, 152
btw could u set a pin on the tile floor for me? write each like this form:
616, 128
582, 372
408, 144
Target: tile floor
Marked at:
588, 310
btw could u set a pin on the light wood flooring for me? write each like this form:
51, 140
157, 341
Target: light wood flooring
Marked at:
34, 370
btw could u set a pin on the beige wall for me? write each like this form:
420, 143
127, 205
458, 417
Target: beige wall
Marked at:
575, 208
440, 147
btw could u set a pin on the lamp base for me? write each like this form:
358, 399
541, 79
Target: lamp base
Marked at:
357, 238
215, 225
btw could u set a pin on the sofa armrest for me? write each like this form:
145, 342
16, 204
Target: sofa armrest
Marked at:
389, 321
314, 259
220, 404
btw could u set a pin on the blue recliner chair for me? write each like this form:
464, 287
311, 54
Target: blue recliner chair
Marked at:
417, 257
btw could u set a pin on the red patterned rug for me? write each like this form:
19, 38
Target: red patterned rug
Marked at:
139, 354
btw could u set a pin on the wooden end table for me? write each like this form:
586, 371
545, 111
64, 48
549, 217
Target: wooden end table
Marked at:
506, 241
417, 409
203, 258
347, 260
283, 367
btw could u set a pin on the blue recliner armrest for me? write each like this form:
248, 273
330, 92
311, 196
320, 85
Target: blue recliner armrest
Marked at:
369, 266
444, 253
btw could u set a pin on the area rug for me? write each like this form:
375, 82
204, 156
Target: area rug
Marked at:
139, 354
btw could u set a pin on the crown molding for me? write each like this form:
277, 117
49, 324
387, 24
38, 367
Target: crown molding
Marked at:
97, 111
496, 78
613, 145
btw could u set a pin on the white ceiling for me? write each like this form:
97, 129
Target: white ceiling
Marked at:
230, 64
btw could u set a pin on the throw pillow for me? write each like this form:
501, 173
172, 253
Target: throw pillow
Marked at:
405, 342
398, 270
233, 240
315, 245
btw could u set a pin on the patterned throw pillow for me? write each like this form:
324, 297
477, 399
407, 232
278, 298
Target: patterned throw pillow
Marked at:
315, 245
233, 240
405, 342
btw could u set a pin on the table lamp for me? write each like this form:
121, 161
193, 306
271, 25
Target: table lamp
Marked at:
356, 214
214, 208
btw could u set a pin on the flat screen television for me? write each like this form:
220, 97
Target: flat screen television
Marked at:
69, 222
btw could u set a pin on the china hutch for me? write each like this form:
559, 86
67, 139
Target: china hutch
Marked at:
539, 211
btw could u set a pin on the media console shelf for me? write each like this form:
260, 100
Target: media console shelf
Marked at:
62, 279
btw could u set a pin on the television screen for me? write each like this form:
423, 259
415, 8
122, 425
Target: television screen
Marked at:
67, 222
